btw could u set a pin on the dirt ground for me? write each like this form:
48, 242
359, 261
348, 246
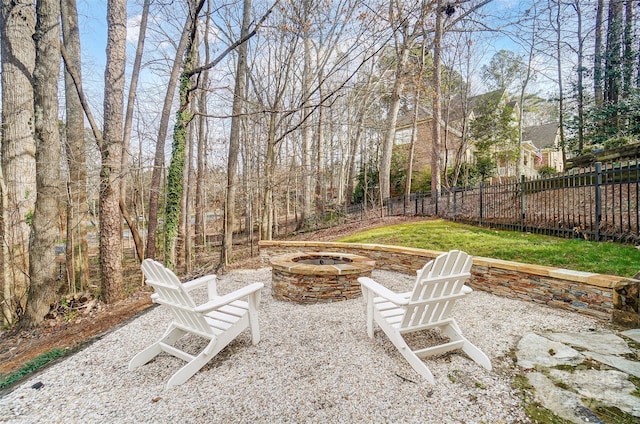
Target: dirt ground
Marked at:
80, 322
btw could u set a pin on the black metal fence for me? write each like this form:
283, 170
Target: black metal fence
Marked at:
598, 203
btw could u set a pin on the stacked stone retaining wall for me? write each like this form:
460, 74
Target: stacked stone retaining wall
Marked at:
606, 297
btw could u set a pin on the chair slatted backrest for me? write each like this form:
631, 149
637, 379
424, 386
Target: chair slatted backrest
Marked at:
170, 292
438, 285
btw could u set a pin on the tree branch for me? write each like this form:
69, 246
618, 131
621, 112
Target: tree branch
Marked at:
83, 100
235, 44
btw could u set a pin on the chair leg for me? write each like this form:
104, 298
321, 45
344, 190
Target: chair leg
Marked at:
254, 299
169, 337
192, 367
368, 295
209, 352
416, 363
453, 331
398, 341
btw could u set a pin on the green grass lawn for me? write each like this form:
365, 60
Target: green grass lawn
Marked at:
577, 254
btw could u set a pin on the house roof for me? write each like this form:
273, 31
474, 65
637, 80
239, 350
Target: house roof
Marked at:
406, 119
490, 98
541, 136
475, 104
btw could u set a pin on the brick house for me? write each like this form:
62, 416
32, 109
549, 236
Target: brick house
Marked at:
543, 141
539, 145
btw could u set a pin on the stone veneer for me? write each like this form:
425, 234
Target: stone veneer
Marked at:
304, 283
606, 297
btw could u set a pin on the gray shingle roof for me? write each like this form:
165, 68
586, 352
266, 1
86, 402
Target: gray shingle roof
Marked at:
541, 135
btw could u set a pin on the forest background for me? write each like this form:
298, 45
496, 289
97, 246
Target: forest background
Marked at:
217, 118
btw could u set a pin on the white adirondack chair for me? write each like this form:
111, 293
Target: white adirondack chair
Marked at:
438, 285
219, 320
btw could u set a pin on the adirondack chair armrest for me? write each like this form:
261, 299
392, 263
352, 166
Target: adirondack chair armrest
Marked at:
228, 298
382, 291
198, 282
208, 280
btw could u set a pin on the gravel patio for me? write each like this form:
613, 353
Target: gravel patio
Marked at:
314, 363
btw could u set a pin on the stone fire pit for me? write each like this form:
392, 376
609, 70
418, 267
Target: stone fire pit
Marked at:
316, 277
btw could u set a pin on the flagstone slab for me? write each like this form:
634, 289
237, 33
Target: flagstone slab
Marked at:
603, 343
562, 402
622, 364
633, 334
610, 387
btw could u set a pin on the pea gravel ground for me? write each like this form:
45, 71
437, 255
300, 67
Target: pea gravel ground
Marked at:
314, 364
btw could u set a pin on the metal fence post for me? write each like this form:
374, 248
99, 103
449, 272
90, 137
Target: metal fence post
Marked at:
598, 200
523, 206
454, 203
481, 202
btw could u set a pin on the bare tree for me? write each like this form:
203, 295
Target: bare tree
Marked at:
436, 137
598, 74
404, 33
178, 153
580, 53
613, 55
42, 256
307, 133
200, 201
126, 138
628, 53
111, 153
77, 251
17, 26
234, 138
158, 163
362, 100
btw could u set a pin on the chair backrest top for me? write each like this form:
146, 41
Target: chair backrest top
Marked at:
169, 291
438, 285
165, 282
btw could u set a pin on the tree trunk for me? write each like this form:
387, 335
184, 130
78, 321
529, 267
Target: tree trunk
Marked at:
414, 126
597, 56
200, 200
77, 253
266, 227
6, 284
183, 246
126, 139
560, 85
158, 162
321, 184
628, 64
307, 134
523, 89
178, 154
437, 111
356, 141
17, 27
175, 177
613, 62
111, 153
42, 256
412, 143
580, 82
390, 126
234, 140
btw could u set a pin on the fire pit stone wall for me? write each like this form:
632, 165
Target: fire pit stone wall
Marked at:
318, 277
